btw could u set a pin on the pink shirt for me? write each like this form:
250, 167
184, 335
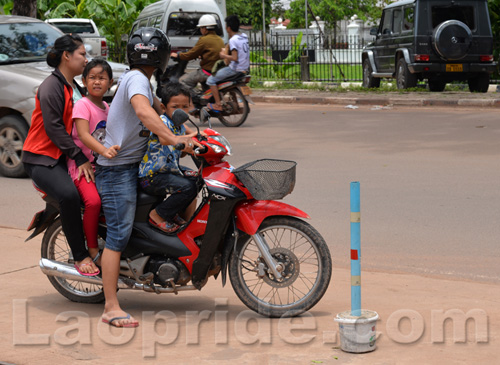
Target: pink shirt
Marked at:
85, 109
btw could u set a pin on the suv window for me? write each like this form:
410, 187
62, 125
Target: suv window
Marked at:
185, 24
397, 16
408, 19
465, 14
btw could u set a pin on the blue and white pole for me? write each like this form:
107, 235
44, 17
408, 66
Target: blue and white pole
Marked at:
355, 250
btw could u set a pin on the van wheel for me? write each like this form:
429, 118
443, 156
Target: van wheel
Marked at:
404, 78
13, 132
368, 80
436, 85
479, 83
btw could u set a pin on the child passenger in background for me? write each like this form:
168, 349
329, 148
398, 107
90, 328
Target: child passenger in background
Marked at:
89, 115
160, 172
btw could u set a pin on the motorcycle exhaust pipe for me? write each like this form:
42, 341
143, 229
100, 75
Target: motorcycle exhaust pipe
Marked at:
68, 272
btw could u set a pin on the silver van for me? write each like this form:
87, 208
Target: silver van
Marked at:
179, 20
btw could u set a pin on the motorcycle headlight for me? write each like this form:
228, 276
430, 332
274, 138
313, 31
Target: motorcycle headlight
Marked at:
222, 140
217, 148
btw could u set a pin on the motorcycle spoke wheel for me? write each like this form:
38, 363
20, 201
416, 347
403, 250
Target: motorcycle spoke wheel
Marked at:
55, 247
235, 108
304, 261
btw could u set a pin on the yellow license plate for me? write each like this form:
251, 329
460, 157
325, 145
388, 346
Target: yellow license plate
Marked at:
454, 67
246, 90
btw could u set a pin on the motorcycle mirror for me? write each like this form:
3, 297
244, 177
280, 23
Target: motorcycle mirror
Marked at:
179, 117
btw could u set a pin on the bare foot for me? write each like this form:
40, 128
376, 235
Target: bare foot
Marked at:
119, 318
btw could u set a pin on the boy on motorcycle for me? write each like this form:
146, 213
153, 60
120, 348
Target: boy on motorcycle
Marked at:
239, 58
207, 48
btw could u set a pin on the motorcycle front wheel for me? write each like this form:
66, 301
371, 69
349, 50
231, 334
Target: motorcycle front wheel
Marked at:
55, 247
304, 261
235, 108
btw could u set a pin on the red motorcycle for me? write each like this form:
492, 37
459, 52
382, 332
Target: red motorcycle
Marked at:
278, 264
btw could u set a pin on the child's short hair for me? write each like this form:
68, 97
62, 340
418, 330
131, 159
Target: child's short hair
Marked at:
98, 62
173, 89
233, 22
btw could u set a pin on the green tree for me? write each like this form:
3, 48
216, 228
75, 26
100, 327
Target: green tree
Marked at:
332, 11
6, 6
250, 12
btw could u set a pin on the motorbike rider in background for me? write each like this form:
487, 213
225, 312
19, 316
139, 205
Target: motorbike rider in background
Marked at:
207, 48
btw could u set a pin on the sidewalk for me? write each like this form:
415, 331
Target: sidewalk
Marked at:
490, 99
39, 326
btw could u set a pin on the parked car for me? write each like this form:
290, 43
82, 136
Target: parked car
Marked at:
437, 40
95, 44
24, 43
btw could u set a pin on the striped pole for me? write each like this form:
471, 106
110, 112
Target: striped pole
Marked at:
355, 251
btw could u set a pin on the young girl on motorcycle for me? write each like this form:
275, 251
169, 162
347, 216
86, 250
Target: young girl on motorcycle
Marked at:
160, 172
89, 115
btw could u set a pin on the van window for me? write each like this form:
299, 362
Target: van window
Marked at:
185, 24
142, 23
70, 27
465, 14
155, 22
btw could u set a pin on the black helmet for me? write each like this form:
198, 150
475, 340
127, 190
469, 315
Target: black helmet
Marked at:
150, 47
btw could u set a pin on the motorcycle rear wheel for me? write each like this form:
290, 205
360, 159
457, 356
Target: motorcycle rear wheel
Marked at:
304, 256
55, 247
235, 108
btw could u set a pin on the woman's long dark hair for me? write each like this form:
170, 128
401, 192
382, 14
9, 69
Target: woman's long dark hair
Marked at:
64, 43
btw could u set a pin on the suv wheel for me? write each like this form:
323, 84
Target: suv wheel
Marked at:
368, 80
404, 78
13, 131
452, 39
479, 83
436, 84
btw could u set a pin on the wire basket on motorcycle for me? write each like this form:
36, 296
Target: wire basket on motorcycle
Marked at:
268, 179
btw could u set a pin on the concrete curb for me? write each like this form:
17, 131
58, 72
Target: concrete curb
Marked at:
481, 103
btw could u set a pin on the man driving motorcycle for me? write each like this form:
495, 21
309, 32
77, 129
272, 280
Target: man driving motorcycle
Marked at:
207, 48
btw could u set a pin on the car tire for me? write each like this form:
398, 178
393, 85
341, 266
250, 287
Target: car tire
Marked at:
404, 78
452, 40
436, 84
13, 132
368, 80
479, 83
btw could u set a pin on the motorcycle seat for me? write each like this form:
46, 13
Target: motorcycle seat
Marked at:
236, 77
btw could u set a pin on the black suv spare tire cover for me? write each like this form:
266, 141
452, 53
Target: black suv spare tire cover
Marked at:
452, 39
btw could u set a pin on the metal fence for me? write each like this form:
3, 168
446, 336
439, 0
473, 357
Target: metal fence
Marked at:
318, 57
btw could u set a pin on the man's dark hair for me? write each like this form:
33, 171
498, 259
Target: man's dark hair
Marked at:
98, 62
233, 22
173, 89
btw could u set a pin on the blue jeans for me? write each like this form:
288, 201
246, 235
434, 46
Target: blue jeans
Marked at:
222, 74
117, 186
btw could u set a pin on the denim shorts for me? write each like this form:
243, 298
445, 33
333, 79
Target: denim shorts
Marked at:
117, 186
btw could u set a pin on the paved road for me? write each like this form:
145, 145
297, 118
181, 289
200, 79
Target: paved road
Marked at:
430, 204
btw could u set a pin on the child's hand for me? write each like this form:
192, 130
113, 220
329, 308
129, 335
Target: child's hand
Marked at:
86, 171
111, 151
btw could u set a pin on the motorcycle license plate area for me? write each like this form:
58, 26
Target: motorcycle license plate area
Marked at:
246, 90
454, 67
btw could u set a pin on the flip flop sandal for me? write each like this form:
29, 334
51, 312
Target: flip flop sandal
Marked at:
77, 267
210, 106
126, 325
